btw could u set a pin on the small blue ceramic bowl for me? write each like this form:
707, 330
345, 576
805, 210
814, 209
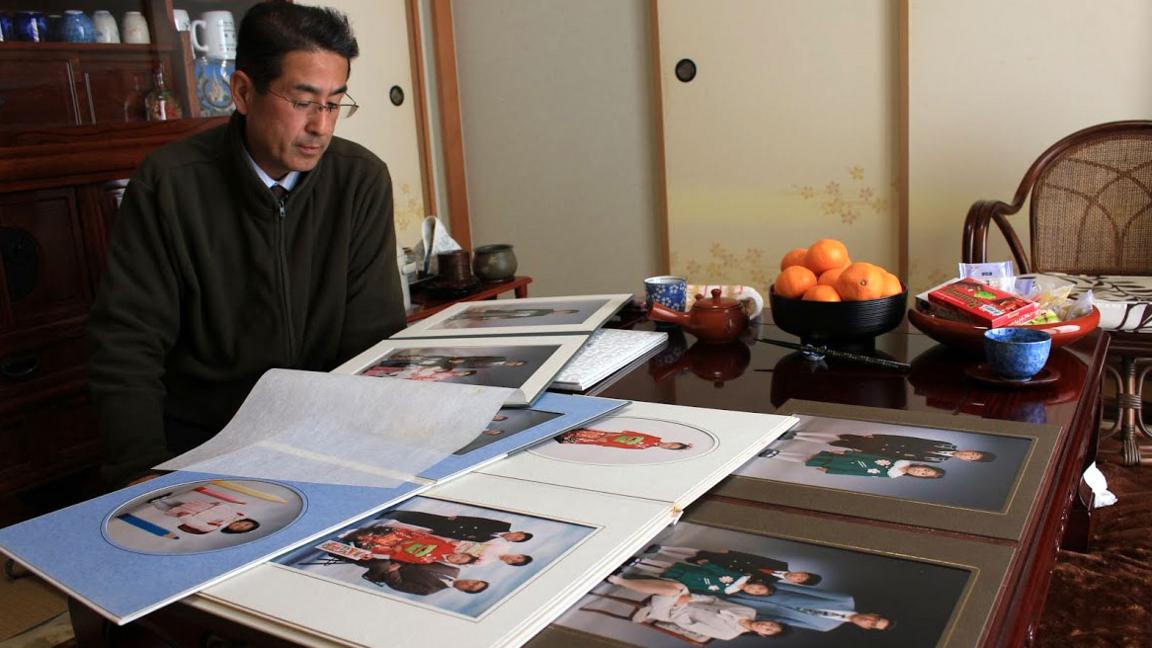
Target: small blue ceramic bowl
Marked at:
1016, 353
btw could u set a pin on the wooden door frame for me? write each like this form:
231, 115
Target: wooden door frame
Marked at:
451, 150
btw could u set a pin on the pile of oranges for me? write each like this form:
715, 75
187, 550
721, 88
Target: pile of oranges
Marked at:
823, 271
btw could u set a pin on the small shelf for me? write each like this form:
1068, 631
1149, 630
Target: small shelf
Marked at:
88, 48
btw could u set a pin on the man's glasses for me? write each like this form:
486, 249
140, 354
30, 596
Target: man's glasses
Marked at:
343, 110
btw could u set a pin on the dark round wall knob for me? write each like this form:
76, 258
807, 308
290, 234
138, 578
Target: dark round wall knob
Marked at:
686, 70
396, 94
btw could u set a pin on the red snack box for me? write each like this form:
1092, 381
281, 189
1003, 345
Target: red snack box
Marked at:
980, 303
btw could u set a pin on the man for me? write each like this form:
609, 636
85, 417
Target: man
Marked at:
213, 279
461, 527
812, 609
420, 580
761, 568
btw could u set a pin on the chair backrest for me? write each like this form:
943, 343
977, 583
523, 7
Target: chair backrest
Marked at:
1091, 205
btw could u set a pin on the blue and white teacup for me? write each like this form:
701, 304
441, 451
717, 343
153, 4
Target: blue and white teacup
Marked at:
1016, 353
667, 290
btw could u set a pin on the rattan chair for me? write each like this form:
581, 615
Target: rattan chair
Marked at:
1090, 220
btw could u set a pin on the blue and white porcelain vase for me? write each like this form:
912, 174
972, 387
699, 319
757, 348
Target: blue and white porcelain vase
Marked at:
212, 86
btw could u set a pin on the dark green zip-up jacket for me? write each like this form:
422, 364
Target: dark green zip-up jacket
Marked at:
211, 281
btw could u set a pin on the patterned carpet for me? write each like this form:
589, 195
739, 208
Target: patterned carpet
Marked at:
1102, 598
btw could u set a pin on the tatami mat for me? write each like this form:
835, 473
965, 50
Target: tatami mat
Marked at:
26, 603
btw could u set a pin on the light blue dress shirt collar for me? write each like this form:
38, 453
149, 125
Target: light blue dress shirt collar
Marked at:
288, 182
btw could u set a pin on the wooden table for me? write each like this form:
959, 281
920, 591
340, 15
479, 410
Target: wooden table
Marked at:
762, 377
425, 304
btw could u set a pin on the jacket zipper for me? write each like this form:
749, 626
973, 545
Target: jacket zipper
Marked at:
285, 299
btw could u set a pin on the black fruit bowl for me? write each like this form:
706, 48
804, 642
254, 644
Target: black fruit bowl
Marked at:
838, 323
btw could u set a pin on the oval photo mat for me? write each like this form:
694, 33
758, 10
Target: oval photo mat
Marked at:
202, 516
701, 442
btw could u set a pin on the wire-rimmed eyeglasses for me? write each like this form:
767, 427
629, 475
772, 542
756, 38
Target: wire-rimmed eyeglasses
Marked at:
343, 110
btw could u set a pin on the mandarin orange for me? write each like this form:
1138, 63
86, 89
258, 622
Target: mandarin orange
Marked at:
826, 254
794, 257
892, 285
822, 293
830, 277
861, 281
794, 281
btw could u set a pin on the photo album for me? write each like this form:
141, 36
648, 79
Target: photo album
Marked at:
306, 454
493, 557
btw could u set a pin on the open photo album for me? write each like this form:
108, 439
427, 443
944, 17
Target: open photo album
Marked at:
284, 472
491, 558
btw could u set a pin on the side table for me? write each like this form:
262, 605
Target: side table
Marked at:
424, 304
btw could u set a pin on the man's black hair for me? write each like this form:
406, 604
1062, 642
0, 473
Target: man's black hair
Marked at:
272, 29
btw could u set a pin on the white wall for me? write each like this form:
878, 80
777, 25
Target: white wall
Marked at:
388, 131
559, 142
992, 84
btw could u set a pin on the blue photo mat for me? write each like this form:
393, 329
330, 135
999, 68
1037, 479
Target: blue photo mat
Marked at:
69, 547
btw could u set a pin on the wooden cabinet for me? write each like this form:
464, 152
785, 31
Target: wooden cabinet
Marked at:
72, 128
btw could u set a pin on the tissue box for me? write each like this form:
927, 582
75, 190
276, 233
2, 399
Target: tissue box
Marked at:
980, 303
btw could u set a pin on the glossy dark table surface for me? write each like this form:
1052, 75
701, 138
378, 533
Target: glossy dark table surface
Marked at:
759, 377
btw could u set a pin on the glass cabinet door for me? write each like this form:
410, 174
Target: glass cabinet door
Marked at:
68, 63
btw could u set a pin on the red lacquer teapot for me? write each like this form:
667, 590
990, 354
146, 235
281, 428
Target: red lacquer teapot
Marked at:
715, 320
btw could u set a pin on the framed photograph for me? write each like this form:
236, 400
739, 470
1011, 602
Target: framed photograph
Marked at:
962, 474
742, 575
526, 365
453, 557
581, 314
341, 595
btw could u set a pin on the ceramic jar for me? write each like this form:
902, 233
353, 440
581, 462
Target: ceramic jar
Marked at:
495, 262
76, 27
135, 28
30, 26
107, 31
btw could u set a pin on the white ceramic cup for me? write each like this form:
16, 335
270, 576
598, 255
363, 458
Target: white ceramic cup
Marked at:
106, 29
219, 35
181, 20
134, 28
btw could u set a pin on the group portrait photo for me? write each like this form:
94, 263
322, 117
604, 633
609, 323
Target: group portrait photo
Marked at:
494, 366
448, 556
701, 585
932, 465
